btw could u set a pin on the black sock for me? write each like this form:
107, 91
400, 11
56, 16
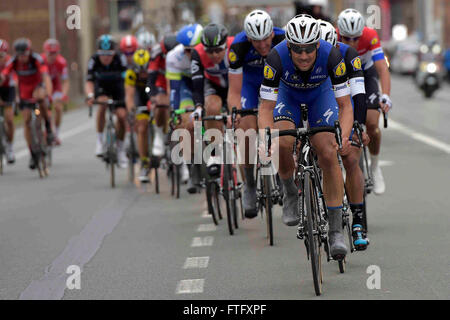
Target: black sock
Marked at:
249, 177
357, 210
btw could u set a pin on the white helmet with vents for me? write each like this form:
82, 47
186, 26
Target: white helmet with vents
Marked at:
303, 29
329, 33
350, 23
258, 25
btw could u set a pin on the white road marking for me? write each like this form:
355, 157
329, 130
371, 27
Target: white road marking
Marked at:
385, 163
419, 136
202, 241
79, 250
206, 227
190, 286
196, 262
206, 214
65, 135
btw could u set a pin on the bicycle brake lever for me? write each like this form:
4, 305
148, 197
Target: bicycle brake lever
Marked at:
338, 134
268, 141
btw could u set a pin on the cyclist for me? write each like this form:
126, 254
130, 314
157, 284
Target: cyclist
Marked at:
104, 80
351, 31
57, 68
209, 68
306, 69
354, 176
178, 72
34, 84
7, 98
136, 98
128, 45
247, 55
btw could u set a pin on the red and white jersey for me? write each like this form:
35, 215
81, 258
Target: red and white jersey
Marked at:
57, 71
369, 47
29, 74
216, 73
9, 79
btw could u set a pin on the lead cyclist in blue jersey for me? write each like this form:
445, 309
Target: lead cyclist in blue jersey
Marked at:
245, 75
354, 176
306, 69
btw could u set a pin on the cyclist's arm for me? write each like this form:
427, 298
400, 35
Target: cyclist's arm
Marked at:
197, 79
338, 75
384, 75
380, 62
89, 88
65, 79
234, 90
269, 89
129, 97
235, 73
48, 84
357, 87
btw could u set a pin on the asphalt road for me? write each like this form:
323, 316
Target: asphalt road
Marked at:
133, 244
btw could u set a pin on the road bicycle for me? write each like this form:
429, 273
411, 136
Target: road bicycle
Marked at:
230, 185
313, 225
110, 154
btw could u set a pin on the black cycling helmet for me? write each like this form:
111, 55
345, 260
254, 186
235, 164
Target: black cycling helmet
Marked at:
106, 43
22, 45
214, 35
169, 42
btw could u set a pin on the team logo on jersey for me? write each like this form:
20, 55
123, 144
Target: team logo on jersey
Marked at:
356, 63
374, 41
232, 56
269, 73
340, 70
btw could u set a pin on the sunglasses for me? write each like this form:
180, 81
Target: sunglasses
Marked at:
105, 52
300, 49
215, 49
188, 49
350, 39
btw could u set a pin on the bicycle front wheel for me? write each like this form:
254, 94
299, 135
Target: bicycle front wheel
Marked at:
226, 194
268, 208
312, 211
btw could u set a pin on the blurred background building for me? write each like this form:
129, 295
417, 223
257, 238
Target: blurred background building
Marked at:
422, 20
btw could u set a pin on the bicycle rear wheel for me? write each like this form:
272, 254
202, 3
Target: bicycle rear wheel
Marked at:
156, 181
311, 211
111, 155
268, 207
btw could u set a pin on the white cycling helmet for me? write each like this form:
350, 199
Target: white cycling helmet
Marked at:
350, 23
303, 29
146, 40
258, 25
329, 33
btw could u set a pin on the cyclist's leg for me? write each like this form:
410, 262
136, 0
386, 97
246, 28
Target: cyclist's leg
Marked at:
121, 115
7, 96
287, 116
373, 130
324, 111
247, 143
160, 111
40, 95
58, 107
26, 115
142, 119
213, 105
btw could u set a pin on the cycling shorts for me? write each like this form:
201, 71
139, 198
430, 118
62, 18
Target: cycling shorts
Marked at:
115, 92
141, 102
7, 95
323, 109
211, 89
185, 96
249, 94
372, 89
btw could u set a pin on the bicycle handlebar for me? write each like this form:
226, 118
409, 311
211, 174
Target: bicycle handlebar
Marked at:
300, 133
245, 112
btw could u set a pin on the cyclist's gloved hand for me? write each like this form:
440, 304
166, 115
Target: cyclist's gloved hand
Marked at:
90, 99
197, 111
385, 103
